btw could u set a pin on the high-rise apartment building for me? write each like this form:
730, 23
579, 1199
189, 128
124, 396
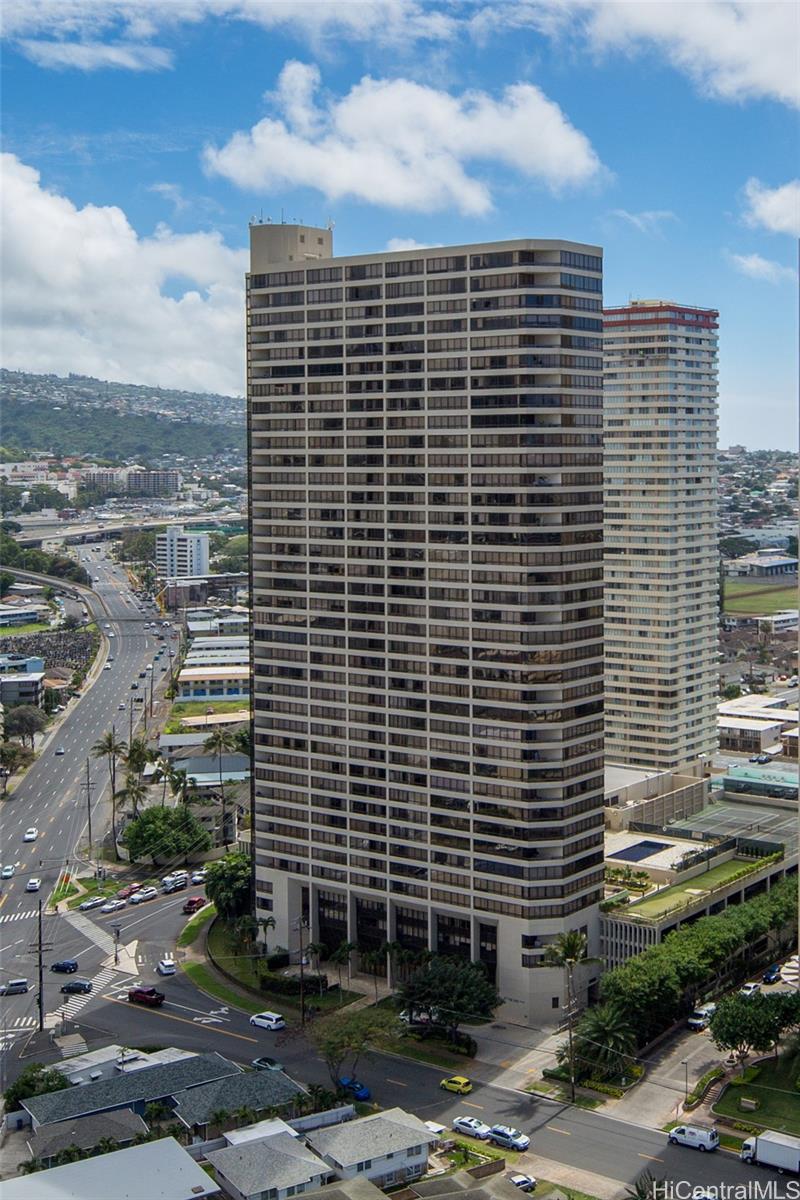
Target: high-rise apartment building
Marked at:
426, 492
180, 553
661, 577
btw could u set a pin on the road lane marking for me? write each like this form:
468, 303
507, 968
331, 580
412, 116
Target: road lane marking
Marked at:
469, 1104
156, 1012
555, 1129
397, 1082
651, 1157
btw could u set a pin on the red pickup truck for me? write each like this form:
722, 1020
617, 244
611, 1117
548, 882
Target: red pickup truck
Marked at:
146, 995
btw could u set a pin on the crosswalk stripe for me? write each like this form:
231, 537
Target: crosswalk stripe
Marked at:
5, 918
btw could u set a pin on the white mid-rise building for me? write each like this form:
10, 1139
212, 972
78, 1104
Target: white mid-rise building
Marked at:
426, 484
180, 553
661, 557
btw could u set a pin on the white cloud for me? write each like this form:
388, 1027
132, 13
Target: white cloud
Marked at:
733, 50
95, 56
401, 144
776, 209
87, 34
400, 243
171, 192
649, 222
762, 269
83, 292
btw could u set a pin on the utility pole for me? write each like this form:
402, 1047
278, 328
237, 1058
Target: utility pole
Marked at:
116, 929
88, 787
130, 721
152, 674
38, 949
300, 927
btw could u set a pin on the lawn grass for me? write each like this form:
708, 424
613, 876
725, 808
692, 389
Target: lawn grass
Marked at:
34, 627
775, 1089
193, 927
63, 892
431, 1050
198, 708
680, 894
246, 970
750, 597
94, 887
207, 981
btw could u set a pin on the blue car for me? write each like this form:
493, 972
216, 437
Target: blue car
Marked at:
357, 1090
772, 974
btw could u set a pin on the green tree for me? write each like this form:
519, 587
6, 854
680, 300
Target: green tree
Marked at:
645, 1187
373, 960
166, 834
137, 756
133, 793
6, 580
743, 1024
316, 951
344, 1037
12, 756
24, 721
458, 989
731, 691
228, 885
111, 748
604, 1043
221, 742
35, 1080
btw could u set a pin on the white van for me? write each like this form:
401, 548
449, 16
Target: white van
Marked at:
694, 1135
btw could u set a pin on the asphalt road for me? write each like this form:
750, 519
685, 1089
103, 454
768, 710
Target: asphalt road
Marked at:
52, 796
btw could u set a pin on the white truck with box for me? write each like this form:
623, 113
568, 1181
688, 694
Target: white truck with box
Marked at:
779, 1150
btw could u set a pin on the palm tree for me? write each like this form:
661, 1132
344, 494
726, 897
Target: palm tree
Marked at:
161, 775
218, 1117
110, 747
177, 783
604, 1041
315, 951
134, 793
567, 950
373, 961
137, 756
341, 958
645, 1187
265, 923
392, 950
220, 742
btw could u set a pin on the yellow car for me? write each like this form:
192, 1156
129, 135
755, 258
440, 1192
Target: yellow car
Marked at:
458, 1084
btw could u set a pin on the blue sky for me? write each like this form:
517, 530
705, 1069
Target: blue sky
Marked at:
141, 137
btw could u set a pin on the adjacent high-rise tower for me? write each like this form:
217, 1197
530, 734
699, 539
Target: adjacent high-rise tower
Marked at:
661, 576
426, 490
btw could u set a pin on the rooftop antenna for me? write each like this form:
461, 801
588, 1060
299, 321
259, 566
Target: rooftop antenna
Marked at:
283, 219
331, 225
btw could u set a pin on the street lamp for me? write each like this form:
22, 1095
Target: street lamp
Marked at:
685, 1065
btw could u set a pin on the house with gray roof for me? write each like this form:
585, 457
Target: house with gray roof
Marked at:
269, 1168
388, 1148
135, 1090
257, 1090
160, 1170
121, 1127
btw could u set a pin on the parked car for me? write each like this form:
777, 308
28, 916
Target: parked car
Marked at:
128, 890
763, 759
750, 989
92, 902
33, 884
149, 996
268, 1020
754, 758
111, 906
358, 1091
525, 1183
458, 1084
701, 1017
147, 893
472, 1127
76, 987
194, 904
265, 1063
65, 966
173, 875
199, 876
697, 1136
175, 885
30, 835
772, 974
511, 1139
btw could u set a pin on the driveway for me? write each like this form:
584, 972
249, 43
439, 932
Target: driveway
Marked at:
655, 1100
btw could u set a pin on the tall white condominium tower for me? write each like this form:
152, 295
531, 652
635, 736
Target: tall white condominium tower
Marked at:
427, 598
661, 576
180, 554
